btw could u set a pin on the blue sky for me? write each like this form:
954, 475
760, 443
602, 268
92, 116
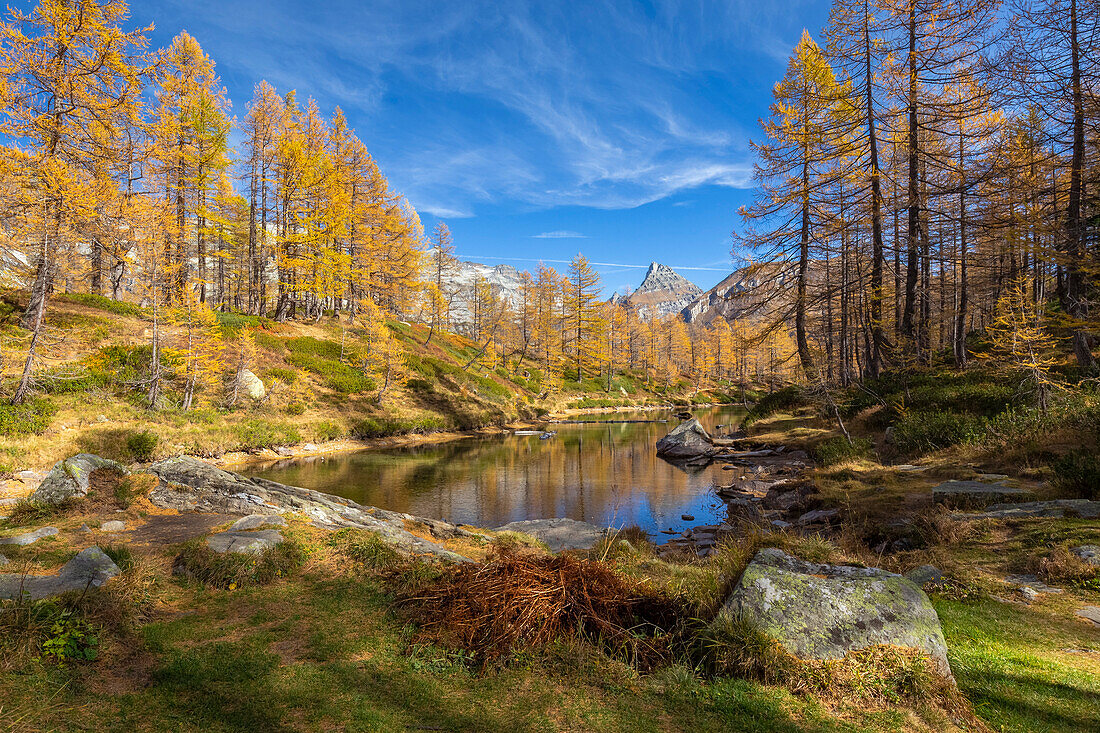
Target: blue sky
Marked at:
535, 129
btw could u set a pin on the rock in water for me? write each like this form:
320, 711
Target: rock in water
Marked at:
559, 534
68, 479
825, 611
251, 385
244, 542
89, 569
688, 440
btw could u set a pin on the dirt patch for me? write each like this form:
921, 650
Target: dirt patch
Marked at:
172, 529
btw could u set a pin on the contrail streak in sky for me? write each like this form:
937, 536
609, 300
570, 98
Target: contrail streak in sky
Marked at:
597, 264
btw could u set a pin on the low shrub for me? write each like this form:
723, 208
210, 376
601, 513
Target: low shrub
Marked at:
838, 450
30, 418
923, 432
1077, 474
267, 341
295, 408
326, 430
1059, 565
366, 549
32, 512
338, 376
232, 570
324, 348
99, 302
286, 376
384, 427
257, 434
781, 400
142, 445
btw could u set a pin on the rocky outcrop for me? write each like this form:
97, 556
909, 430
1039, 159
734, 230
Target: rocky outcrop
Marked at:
89, 569
1088, 553
976, 494
256, 521
1082, 508
825, 611
69, 479
687, 441
188, 484
559, 534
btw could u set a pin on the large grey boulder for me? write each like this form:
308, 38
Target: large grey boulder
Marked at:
251, 385
29, 538
825, 611
688, 440
91, 568
976, 494
190, 485
560, 533
244, 542
69, 478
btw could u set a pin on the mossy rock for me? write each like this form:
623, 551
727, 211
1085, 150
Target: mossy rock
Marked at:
825, 611
69, 478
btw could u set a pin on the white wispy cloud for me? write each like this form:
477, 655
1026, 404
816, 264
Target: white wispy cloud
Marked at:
560, 234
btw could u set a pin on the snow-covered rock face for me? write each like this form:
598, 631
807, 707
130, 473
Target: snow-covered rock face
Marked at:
504, 279
663, 292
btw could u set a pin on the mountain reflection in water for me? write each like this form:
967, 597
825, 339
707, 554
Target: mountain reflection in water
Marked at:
600, 472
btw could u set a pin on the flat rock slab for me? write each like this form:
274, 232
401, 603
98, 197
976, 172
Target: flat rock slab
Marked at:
244, 542
256, 521
976, 494
91, 568
825, 611
190, 485
69, 478
1033, 582
171, 529
559, 534
1057, 508
29, 538
1090, 613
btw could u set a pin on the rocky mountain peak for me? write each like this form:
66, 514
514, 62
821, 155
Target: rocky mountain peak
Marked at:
662, 278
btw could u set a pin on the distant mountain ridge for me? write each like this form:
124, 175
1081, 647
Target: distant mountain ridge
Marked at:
663, 292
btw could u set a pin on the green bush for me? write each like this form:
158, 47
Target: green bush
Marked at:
101, 303
324, 348
923, 432
286, 376
384, 427
142, 445
233, 570
327, 430
1078, 474
30, 418
267, 341
258, 433
232, 323
838, 450
337, 376
364, 548
779, 401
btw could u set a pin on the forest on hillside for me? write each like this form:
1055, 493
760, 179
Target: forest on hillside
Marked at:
928, 182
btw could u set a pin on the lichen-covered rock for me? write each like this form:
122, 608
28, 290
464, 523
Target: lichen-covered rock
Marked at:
69, 478
560, 533
89, 569
1082, 508
244, 542
190, 485
925, 574
115, 525
825, 611
976, 494
688, 440
1088, 553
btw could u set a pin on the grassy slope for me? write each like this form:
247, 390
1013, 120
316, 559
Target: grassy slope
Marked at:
98, 353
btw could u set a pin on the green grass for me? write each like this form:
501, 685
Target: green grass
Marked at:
105, 304
32, 417
1012, 665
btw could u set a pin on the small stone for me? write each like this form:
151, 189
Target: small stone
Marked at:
256, 521
84, 528
3, 560
687, 517
113, 526
284, 451
102, 418
818, 516
780, 524
925, 574
28, 538
992, 476
1090, 613
1028, 592
1089, 553
1033, 582
28, 476
310, 447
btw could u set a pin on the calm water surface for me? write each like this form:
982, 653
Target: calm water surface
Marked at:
600, 472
